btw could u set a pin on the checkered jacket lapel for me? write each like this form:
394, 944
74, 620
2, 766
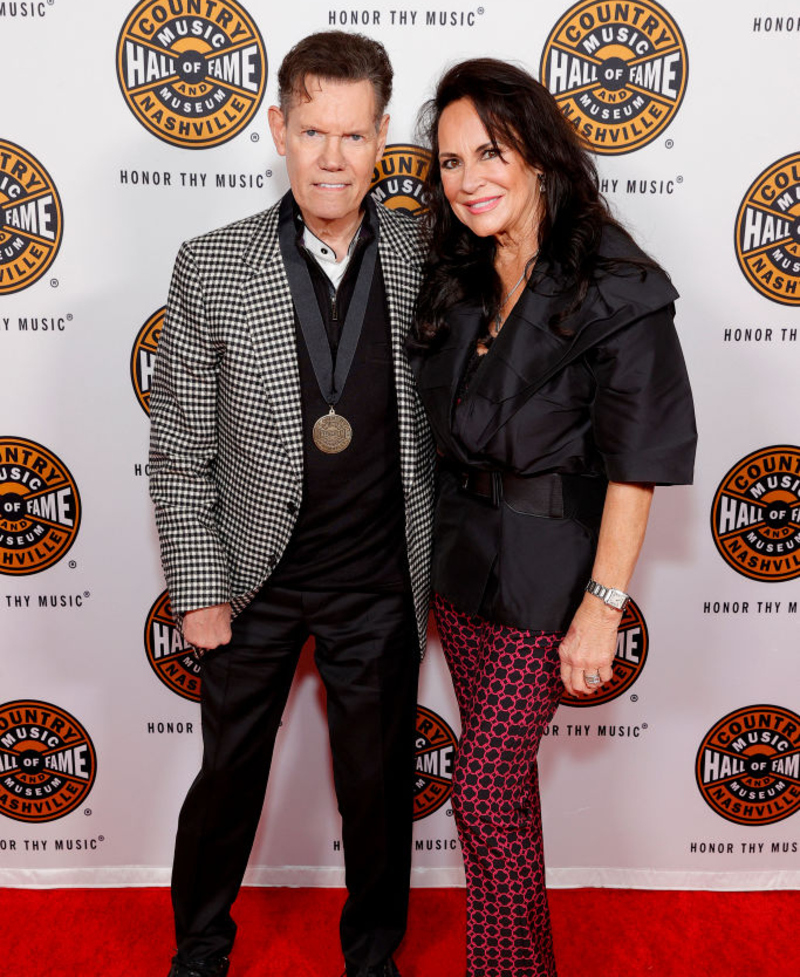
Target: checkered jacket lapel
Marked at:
400, 251
401, 267
270, 317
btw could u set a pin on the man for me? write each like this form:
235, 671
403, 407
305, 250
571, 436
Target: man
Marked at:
292, 478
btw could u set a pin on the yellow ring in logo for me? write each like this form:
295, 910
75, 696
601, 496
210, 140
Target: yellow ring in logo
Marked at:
399, 178
632, 647
435, 750
192, 72
31, 220
40, 509
48, 762
768, 232
168, 654
143, 356
755, 516
748, 765
618, 71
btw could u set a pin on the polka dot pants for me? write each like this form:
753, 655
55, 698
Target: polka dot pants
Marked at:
508, 686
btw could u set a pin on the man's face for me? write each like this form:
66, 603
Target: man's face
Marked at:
331, 144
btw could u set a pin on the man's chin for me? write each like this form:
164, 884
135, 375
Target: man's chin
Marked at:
331, 204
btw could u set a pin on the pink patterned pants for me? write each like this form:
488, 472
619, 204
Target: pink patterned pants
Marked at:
508, 686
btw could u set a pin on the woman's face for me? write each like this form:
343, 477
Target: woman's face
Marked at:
493, 193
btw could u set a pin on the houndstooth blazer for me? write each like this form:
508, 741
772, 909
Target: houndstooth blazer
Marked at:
226, 449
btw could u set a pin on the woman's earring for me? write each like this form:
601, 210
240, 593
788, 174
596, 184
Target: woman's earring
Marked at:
542, 184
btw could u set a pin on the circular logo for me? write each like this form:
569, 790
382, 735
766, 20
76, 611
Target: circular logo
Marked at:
755, 518
617, 70
436, 745
193, 72
40, 509
399, 178
143, 357
47, 761
169, 655
31, 221
768, 232
747, 766
632, 647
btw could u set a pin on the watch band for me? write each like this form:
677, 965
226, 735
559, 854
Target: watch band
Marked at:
608, 595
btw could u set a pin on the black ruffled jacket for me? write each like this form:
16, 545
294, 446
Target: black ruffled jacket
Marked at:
611, 401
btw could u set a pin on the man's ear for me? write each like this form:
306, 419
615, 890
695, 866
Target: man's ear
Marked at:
383, 131
277, 126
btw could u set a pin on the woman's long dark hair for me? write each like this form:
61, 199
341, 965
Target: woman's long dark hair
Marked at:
518, 112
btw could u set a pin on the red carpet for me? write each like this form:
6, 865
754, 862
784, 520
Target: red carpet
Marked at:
293, 933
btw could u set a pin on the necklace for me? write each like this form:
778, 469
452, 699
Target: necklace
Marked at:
498, 319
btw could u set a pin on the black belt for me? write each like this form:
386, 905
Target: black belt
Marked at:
553, 496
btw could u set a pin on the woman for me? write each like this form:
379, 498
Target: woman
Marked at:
547, 359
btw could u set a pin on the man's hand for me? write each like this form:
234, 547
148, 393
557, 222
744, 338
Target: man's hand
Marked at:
208, 627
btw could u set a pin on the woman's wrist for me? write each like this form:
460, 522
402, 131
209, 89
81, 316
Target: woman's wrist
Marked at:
598, 612
610, 595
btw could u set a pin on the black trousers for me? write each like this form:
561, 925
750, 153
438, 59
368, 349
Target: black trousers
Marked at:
367, 656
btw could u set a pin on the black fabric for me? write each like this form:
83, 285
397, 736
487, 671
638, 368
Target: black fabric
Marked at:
366, 656
350, 532
609, 401
553, 496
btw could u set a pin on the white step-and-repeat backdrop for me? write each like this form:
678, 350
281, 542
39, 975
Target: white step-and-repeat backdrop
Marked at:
130, 126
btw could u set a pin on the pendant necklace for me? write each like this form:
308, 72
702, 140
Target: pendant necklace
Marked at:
332, 432
498, 319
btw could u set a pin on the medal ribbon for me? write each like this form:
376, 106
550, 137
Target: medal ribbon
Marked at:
331, 382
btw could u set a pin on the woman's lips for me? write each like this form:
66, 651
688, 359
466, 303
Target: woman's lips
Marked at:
482, 205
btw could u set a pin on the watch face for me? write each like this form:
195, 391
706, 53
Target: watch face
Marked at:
616, 598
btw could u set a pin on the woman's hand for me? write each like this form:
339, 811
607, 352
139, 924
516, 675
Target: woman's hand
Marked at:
591, 640
589, 646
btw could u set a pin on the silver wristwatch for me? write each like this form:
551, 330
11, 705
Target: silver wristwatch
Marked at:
608, 595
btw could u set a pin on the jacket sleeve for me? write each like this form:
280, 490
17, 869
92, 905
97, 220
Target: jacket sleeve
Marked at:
183, 447
643, 413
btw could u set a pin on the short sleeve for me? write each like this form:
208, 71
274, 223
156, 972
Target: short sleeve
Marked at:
643, 414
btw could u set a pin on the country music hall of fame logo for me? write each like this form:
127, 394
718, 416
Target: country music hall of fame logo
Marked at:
399, 178
632, 647
192, 72
755, 515
40, 508
143, 356
168, 654
618, 71
435, 751
748, 765
31, 220
48, 762
767, 236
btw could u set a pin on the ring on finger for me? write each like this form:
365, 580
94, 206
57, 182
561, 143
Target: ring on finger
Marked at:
593, 679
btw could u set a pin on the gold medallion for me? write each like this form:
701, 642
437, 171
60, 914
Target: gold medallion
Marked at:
332, 433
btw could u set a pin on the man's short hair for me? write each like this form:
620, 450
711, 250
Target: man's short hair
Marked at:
335, 56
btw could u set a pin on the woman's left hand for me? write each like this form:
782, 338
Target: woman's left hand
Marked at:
590, 643
589, 646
